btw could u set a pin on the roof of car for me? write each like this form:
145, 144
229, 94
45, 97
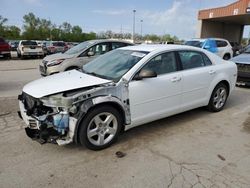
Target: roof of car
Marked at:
203, 39
108, 40
158, 47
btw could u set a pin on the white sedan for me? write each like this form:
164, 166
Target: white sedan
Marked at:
122, 89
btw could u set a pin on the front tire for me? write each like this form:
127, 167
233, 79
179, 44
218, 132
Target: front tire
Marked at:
100, 128
218, 98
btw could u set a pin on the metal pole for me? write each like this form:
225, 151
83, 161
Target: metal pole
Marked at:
141, 28
134, 11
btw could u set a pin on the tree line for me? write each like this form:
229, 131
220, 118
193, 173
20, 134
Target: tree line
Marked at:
35, 28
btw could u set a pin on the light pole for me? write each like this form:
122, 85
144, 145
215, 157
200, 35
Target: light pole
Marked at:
141, 28
133, 37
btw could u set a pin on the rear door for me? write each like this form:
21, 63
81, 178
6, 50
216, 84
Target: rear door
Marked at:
197, 75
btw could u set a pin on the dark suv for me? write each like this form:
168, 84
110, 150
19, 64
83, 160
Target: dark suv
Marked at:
4, 49
243, 64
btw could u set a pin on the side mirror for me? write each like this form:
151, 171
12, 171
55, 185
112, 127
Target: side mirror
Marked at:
145, 73
91, 54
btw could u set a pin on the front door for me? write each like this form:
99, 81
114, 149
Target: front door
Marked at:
158, 97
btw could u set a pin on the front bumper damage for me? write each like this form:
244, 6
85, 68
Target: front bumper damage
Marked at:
56, 118
56, 126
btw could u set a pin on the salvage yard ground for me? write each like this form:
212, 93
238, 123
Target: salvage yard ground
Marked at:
192, 149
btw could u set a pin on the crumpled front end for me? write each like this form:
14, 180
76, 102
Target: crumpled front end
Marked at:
46, 123
56, 117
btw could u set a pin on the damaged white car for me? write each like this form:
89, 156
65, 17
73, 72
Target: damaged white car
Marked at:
122, 89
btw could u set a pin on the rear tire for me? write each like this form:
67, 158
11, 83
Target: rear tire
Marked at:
226, 57
100, 128
218, 98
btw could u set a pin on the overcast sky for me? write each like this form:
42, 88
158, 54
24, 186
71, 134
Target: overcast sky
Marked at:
175, 17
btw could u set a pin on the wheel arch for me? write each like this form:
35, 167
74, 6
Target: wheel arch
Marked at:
113, 104
224, 81
227, 54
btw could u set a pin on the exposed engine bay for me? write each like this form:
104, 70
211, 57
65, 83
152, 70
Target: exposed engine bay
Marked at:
55, 118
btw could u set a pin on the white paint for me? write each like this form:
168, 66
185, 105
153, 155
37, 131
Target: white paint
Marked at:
61, 82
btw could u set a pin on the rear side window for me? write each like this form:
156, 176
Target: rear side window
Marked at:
206, 60
221, 43
2, 40
191, 59
118, 45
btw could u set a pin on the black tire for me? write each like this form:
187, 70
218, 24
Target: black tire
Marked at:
226, 57
72, 68
88, 121
7, 56
212, 105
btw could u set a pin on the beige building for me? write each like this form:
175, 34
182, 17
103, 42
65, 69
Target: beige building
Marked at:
224, 22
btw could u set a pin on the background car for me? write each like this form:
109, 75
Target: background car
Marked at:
236, 47
13, 45
122, 89
52, 47
243, 64
221, 47
29, 48
4, 49
78, 55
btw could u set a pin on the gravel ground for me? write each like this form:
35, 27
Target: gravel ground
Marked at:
193, 149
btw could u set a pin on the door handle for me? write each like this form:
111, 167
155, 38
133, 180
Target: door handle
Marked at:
175, 79
212, 72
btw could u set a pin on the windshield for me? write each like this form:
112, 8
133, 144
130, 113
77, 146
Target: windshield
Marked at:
29, 43
78, 48
58, 44
247, 49
113, 65
195, 43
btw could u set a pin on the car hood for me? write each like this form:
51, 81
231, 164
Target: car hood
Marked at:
242, 58
60, 82
58, 56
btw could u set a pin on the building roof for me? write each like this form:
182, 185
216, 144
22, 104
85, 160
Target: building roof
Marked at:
238, 13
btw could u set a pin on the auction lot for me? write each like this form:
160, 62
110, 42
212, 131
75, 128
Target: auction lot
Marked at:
193, 149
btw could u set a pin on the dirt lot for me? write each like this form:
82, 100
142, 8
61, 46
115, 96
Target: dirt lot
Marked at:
193, 149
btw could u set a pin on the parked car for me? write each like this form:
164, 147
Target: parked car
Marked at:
4, 49
243, 64
236, 47
13, 45
53, 47
122, 89
221, 47
28, 48
78, 55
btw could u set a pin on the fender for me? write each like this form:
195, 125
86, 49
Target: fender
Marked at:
91, 103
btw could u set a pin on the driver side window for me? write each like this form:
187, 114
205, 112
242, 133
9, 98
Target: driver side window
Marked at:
100, 49
97, 49
162, 64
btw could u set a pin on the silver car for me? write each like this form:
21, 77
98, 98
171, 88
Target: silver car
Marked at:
77, 56
243, 63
